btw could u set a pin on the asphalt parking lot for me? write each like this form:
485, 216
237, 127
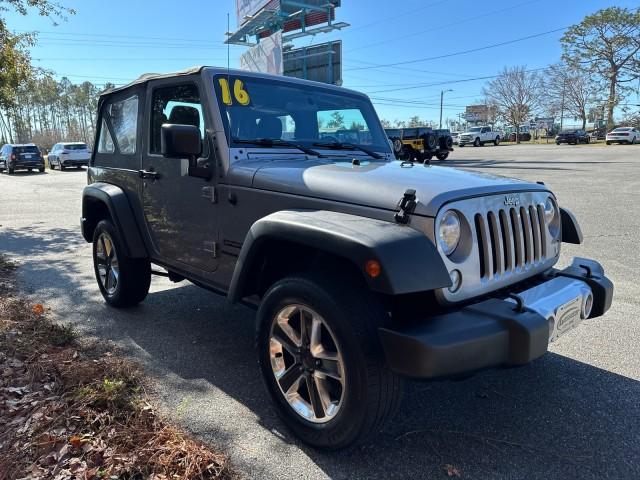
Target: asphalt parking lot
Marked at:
575, 413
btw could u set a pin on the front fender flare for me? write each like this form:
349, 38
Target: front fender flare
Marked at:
569, 227
409, 260
116, 202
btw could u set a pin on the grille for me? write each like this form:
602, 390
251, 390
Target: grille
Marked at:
510, 239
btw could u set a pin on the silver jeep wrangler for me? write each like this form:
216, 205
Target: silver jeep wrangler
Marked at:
284, 195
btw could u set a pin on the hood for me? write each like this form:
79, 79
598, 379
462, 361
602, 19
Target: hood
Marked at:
379, 184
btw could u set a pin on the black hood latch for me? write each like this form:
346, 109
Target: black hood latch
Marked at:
406, 205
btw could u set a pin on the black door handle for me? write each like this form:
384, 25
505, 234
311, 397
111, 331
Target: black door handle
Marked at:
148, 174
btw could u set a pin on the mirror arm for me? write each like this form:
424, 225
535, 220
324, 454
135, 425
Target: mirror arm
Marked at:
197, 171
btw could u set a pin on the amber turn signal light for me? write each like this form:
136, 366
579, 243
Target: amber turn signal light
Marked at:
373, 269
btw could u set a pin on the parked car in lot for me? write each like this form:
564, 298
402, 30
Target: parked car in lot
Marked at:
454, 137
395, 136
423, 143
573, 137
623, 135
21, 157
478, 136
363, 269
69, 154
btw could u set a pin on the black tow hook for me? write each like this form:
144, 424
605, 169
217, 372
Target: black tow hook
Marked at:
406, 205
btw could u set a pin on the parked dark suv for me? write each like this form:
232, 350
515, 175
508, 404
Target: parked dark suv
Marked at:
363, 269
21, 157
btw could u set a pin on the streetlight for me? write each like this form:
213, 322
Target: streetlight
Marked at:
441, 100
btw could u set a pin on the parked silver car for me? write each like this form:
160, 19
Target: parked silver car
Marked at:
69, 154
629, 135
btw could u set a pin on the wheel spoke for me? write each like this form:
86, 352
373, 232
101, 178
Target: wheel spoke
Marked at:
282, 337
289, 378
330, 367
323, 394
316, 402
287, 330
305, 326
315, 341
107, 278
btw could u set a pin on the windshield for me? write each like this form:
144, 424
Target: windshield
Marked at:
475, 129
258, 108
75, 146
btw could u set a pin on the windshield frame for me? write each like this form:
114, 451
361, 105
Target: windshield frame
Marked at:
371, 117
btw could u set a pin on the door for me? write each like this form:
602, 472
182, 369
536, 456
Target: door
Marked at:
179, 209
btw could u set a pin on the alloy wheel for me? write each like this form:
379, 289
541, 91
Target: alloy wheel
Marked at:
108, 266
307, 363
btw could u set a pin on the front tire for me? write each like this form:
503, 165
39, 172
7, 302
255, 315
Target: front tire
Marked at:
476, 142
321, 360
442, 156
123, 281
496, 142
608, 143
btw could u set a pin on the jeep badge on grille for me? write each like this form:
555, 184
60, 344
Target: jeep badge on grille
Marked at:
512, 200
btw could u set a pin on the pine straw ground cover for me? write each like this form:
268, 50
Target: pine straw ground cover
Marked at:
69, 411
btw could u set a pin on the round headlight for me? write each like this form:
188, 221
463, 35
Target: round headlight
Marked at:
449, 232
549, 211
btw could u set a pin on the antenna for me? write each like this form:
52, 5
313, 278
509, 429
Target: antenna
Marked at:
229, 86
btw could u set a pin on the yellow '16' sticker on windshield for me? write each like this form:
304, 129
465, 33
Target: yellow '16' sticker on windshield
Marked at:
240, 95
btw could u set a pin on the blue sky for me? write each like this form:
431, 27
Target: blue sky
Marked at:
118, 40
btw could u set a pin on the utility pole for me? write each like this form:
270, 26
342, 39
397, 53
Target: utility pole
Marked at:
441, 102
564, 83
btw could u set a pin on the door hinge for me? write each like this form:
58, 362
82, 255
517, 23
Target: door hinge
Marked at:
212, 248
406, 205
210, 193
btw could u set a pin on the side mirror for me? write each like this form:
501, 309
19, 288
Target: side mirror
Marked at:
180, 141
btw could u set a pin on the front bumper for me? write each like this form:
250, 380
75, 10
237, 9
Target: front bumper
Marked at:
507, 330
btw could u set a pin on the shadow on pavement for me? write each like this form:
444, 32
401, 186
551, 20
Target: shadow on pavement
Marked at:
556, 418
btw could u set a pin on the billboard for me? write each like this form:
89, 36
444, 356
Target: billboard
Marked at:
248, 8
477, 113
321, 63
265, 57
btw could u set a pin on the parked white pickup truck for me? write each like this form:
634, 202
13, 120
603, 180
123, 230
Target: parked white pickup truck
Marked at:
478, 136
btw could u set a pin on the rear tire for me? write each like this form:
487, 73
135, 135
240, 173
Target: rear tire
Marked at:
361, 393
123, 281
61, 167
10, 171
608, 143
442, 156
41, 169
496, 142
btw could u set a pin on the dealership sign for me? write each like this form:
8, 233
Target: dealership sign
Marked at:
248, 8
265, 57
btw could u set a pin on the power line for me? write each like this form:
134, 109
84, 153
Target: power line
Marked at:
462, 52
109, 35
441, 27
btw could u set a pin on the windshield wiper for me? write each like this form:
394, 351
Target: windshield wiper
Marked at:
277, 142
348, 146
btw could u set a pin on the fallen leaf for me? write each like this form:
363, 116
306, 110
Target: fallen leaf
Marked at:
451, 470
75, 441
38, 309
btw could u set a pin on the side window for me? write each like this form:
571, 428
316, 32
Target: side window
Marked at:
178, 104
105, 143
124, 119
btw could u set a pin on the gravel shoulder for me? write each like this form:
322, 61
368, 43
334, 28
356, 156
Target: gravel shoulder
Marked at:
572, 414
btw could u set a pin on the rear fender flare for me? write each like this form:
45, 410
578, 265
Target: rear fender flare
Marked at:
409, 260
116, 202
